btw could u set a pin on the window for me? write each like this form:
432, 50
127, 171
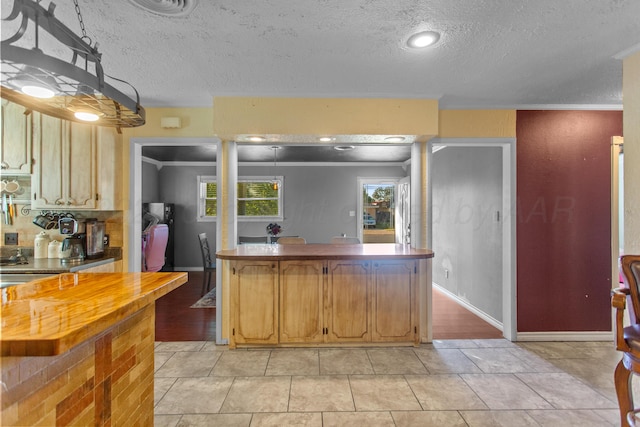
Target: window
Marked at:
258, 198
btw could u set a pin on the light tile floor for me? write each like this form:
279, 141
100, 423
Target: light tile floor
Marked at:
447, 383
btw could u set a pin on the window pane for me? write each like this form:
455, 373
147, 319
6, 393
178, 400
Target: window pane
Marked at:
210, 207
258, 207
211, 190
256, 190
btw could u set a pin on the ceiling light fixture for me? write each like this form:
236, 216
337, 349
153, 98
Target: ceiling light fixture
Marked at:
257, 139
423, 39
50, 85
326, 139
344, 147
394, 139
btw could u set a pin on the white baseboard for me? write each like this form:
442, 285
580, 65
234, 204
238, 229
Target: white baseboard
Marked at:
565, 336
484, 316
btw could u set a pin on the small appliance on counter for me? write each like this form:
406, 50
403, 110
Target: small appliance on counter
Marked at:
72, 249
94, 242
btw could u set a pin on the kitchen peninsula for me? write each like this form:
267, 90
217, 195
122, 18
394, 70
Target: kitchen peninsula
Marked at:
77, 348
322, 294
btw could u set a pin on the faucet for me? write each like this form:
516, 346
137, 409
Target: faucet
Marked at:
18, 258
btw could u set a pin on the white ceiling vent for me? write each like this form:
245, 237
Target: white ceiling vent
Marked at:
173, 8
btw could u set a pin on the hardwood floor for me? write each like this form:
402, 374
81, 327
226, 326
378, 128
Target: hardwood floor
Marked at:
452, 321
177, 321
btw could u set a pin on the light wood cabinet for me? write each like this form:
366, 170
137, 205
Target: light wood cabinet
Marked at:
75, 166
394, 310
302, 301
112, 267
349, 298
254, 295
16, 130
65, 159
323, 302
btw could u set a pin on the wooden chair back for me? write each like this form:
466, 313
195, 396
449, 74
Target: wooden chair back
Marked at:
292, 241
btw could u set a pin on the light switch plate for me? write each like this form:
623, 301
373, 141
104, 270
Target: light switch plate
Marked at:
10, 238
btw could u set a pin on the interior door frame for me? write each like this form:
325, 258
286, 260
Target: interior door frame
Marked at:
617, 144
509, 256
360, 182
135, 208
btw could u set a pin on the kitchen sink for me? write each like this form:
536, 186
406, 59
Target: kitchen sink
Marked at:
13, 260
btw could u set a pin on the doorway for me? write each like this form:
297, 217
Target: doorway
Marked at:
497, 220
377, 210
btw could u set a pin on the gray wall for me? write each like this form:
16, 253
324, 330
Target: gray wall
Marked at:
150, 178
467, 238
317, 201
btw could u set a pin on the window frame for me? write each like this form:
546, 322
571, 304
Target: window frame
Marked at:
205, 179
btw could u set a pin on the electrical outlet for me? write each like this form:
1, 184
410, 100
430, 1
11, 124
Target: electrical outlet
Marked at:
105, 240
10, 238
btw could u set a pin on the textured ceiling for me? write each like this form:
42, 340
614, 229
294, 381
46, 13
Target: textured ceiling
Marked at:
492, 53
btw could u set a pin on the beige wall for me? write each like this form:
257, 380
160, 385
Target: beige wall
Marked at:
631, 102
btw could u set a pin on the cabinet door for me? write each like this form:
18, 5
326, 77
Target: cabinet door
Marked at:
394, 301
109, 176
348, 294
65, 164
49, 147
301, 301
16, 128
81, 166
255, 300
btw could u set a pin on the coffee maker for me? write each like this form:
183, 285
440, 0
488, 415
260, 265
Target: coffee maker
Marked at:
73, 246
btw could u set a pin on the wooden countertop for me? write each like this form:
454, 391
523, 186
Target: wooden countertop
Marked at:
377, 251
50, 316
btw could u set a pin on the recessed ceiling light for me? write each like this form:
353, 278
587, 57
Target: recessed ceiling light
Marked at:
423, 39
344, 147
326, 138
394, 138
257, 139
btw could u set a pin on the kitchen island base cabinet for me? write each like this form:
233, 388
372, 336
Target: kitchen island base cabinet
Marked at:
301, 301
255, 298
323, 302
349, 300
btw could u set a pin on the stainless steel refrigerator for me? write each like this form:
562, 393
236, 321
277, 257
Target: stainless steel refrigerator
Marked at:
164, 212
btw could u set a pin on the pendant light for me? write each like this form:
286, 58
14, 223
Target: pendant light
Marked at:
274, 183
77, 90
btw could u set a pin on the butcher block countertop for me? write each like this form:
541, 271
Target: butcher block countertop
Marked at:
49, 316
377, 251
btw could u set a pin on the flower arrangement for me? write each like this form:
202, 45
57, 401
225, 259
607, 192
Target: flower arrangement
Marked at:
274, 229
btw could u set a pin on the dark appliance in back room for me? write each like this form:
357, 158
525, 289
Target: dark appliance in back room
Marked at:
161, 213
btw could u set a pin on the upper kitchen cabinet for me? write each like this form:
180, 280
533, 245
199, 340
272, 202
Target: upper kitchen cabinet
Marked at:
15, 149
75, 166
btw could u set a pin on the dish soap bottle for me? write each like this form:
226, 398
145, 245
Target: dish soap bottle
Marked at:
40, 245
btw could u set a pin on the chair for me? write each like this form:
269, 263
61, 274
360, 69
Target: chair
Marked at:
155, 245
627, 338
291, 241
208, 263
252, 239
342, 240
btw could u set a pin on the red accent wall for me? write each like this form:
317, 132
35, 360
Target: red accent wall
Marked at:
563, 219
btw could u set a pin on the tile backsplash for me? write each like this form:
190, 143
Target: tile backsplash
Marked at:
27, 230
